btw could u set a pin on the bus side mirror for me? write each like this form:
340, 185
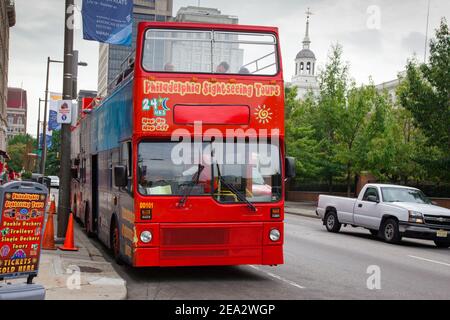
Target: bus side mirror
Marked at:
120, 176
290, 167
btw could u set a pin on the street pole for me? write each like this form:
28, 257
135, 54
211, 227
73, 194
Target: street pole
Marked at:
38, 133
64, 189
38, 123
44, 127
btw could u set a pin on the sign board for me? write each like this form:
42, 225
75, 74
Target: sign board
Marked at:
64, 115
108, 21
21, 223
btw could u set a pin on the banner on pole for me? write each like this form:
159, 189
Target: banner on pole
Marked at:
53, 124
108, 21
64, 112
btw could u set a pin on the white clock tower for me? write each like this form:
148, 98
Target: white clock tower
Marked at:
305, 78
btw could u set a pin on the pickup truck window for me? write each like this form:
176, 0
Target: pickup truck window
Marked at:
370, 192
404, 195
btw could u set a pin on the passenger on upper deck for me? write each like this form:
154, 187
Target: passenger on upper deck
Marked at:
223, 67
169, 67
244, 70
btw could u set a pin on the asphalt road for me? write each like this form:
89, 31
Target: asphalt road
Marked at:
318, 265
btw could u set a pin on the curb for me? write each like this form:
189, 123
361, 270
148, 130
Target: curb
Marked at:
302, 214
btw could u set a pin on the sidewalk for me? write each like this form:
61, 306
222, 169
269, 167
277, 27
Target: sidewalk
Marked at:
79, 275
305, 209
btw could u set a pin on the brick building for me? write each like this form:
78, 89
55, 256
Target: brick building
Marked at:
7, 20
16, 112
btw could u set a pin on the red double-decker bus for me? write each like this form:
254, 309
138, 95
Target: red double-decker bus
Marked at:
183, 163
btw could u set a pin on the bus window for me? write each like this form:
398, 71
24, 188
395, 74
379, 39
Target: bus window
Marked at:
159, 175
126, 160
196, 51
255, 172
177, 51
246, 53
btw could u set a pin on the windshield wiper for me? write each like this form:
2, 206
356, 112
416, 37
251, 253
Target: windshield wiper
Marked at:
192, 184
235, 191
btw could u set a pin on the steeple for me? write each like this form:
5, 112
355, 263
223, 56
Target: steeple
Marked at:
307, 40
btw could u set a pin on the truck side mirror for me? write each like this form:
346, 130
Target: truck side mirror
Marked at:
290, 167
373, 198
120, 176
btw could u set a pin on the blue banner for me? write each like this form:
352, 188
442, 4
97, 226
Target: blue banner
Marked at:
53, 124
49, 141
108, 21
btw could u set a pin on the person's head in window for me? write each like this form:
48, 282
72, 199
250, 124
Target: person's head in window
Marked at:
244, 70
169, 67
223, 67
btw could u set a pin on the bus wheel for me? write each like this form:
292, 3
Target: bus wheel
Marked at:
115, 241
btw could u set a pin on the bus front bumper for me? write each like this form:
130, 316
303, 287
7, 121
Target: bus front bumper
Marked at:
210, 245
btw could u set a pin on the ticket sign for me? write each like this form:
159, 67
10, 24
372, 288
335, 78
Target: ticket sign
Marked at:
22, 220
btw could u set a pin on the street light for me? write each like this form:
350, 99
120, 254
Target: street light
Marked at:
44, 129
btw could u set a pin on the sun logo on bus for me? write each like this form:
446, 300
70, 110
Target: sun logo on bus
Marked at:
263, 114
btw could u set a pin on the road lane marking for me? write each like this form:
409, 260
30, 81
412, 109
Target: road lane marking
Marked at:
429, 260
270, 274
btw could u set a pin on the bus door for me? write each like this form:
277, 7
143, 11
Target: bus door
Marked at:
94, 192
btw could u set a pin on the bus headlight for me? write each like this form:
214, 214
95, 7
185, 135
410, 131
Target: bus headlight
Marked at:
146, 236
274, 235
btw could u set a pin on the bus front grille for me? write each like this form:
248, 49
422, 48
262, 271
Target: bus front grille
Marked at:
194, 236
201, 236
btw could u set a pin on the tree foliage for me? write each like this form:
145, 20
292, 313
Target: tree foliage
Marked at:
425, 93
18, 148
53, 162
348, 129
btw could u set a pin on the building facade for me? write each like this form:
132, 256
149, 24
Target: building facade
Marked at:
112, 57
305, 78
16, 112
391, 87
192, 55
7, 20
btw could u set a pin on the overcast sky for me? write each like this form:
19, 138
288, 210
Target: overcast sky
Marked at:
378, 36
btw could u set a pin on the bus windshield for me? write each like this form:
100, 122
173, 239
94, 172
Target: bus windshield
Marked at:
215, 52
250, 171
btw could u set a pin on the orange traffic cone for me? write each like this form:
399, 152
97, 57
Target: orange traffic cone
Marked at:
49, 235
52, 209
69, 244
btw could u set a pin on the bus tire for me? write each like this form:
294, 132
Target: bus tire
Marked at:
115, 241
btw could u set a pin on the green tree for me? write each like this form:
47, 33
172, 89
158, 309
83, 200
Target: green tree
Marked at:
18, 149
17, 154
426, 94
331, 104
362, 120
53, 162
300, 135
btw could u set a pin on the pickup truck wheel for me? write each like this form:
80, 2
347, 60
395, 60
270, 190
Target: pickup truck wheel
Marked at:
390, 231
332, 223
442, 244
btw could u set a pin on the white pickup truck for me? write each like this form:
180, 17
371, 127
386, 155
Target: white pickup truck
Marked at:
388, 211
